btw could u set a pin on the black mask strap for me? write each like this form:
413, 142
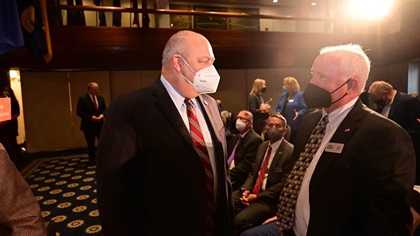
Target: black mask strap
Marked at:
340, 87
345, 94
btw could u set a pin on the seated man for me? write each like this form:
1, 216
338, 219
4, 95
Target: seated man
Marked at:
257, 199
20, 213
242, 149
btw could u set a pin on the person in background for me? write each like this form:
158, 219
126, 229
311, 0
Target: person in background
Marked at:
20, 213
401, 108
219, 103
91, 108
292, 105
162, 166
242, 149
9, 129
256, 105
354, 169
257, 199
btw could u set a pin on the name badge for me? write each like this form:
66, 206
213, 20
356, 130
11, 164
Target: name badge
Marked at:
291, 100
334, 147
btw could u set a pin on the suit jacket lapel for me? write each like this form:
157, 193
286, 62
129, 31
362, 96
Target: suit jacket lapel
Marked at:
212, 113
166, 105
345, 130
277, 157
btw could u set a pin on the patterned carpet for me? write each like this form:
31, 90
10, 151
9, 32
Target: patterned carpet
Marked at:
65, 188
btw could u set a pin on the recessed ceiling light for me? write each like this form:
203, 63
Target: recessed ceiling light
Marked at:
313, 3
274, 1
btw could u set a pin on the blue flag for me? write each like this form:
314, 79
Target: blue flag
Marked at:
10, 27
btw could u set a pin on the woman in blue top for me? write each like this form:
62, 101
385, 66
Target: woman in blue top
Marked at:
292, 105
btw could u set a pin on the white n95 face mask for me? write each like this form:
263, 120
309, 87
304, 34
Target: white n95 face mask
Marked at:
240, 125
206, 80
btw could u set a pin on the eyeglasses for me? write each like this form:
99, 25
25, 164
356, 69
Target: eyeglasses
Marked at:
243, 118
277, 126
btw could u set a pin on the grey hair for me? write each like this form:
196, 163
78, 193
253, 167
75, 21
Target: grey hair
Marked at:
177, 44
91, 84
354, 61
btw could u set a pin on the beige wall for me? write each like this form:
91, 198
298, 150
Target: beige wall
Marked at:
50, 98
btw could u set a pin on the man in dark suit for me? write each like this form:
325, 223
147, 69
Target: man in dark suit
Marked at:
401, 108
242, 149
257, 200
153, 176
359, 179
91, 108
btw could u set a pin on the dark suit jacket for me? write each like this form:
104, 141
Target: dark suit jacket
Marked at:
86, 109
245, 155
275, 176
254, 103
365, 189
405, 110
151, 181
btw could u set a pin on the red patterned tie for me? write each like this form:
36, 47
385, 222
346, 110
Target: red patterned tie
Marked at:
94, 102
201, 148
263, 170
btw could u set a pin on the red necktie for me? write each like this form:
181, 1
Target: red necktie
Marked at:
94, 102
198, 139
263, 170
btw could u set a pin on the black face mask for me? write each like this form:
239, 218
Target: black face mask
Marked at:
379, 105
263, 90
317, 97
274, 134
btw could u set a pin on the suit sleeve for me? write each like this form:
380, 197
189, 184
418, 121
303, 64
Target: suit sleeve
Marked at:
116, 174
253, 105
389, 179
81, 109
303, 109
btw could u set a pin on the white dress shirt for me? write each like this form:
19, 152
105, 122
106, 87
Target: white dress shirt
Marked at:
302, 211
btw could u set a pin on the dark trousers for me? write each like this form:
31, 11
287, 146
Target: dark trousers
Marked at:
250, 216
91, 136
270, 229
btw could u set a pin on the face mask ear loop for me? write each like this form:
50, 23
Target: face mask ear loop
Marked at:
340, 87
186, 63
345, 94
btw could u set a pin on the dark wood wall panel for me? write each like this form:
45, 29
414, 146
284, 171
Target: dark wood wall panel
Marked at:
77, 47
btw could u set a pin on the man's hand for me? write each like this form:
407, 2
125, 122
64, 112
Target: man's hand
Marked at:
296, 115
274, 218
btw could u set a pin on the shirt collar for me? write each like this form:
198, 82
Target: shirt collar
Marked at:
175, 95
243, 135
276, 144
335, 117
